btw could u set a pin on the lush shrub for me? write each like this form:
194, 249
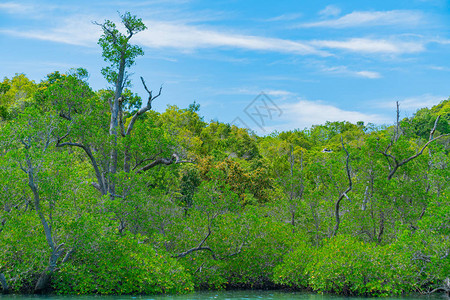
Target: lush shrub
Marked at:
253, 267
292, 272
430, 243
121, 265
345, 265
24, 251
247, 247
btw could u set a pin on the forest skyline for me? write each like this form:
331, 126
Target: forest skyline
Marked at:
325, 61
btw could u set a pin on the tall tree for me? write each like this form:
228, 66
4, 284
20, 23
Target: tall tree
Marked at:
121, 55
124, 111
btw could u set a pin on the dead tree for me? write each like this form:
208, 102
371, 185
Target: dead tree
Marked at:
394, 162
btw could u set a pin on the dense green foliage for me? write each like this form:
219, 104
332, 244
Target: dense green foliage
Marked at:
208, 205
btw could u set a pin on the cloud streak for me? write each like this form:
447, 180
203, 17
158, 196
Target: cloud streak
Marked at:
330, 10
343, 70
370, 18
78, 30
365, 45
16, 8
299, 113
411, 104
305, 113
285, 17
188, 37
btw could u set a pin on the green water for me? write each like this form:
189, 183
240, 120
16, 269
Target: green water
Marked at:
222, 295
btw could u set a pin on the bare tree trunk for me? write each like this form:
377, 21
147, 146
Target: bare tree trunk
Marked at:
344, 194
44, 279
4, 283
114, 123
381, 230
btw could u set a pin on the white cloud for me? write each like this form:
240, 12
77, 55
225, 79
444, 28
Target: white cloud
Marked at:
305, 113
16, 8
440, 41
371, 18
298, 113
76, 30
285, 17
411, 104
366, 45
279, 93
330, 10
368, 74
80, 31
188, 38
346, 71
439, 68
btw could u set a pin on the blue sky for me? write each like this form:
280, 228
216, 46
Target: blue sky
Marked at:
314, 60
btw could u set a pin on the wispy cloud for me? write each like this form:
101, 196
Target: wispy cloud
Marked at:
76, 30
370, 18
305, 113
188, 38
411, 104
439, 68
285, 17
343, 70
16, 8
185, 37
302, 113
366, 45
279, 93
330, 10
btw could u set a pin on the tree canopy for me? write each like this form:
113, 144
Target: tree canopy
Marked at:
102, 195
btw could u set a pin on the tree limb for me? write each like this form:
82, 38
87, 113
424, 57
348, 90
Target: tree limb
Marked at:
398, 164
145, 160
144, 109
163, 161
198, 248
30, 172
344, 194
101, 184
107, 31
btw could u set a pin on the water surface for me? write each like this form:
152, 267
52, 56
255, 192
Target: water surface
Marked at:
221, 295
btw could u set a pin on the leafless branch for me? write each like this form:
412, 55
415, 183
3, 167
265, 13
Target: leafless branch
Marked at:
239, 249
145, 160
200, 247
68, 255
163, 161
397, 164
143, 109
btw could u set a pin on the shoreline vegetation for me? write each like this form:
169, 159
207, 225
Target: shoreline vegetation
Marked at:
99, 194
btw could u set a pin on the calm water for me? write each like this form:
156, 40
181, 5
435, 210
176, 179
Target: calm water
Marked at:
223, 295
